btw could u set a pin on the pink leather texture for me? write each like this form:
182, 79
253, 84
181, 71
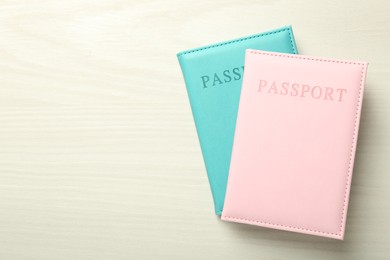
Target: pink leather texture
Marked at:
295, 142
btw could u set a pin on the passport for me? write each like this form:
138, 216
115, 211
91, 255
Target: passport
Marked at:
213, 77
295, 143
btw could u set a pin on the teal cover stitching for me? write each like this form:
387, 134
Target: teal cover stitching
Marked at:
288, 28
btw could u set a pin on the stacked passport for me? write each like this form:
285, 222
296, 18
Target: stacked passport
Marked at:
278, 131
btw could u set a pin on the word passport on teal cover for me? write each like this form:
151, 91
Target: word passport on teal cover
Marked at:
213, 76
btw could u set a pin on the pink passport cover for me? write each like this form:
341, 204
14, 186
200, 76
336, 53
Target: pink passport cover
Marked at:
295, 142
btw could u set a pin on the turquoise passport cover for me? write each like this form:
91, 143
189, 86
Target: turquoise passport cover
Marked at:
213, 76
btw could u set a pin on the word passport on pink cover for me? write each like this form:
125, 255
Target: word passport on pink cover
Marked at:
295, 142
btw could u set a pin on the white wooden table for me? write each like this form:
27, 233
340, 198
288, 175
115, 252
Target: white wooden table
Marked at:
99, 157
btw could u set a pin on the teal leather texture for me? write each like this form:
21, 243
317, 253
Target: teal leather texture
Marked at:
213, 77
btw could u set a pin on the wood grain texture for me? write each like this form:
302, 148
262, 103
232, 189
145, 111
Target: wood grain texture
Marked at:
99, 157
